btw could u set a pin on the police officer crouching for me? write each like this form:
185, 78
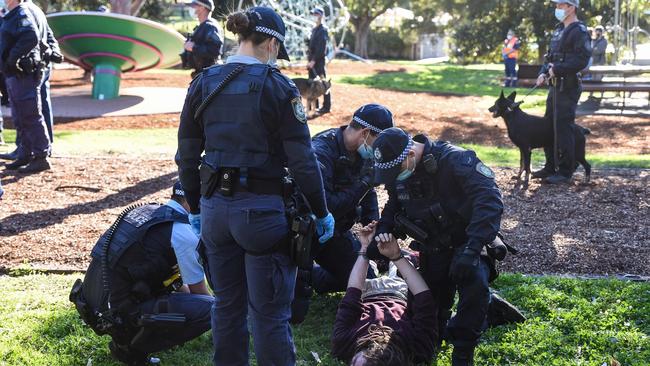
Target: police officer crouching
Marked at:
449, 198
203, 46
21, 50
248, 119
145, 286
568, 54
346, 164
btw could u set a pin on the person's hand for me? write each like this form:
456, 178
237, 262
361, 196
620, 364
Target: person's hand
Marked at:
388, 247
541, 79
365, 235
464, 265
325, 228
551, 73
189, 46
310, 64
367, 175
195, 223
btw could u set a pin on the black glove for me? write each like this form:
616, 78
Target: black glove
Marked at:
464, 265
367, 175
56, 57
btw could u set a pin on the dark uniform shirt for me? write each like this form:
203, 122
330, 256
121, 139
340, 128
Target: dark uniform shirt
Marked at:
19, 37
318, 44
207, 44
570, 49
279, 112
599, 46
463, 186
48, 44
348, 199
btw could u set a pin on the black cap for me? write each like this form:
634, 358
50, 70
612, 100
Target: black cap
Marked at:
268, 22
177, 189
390, 148
376, 117
208, 4
318, 10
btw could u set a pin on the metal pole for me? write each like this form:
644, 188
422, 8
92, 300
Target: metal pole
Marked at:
617, 27
555, 144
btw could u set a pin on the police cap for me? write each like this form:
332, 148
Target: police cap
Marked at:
375, 117
208, 4
390, 148
575, 3
268, 22
318, 10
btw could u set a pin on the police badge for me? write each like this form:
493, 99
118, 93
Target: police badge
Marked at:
299, 110
484, 170
377, 155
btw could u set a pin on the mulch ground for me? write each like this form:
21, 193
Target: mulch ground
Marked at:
52, 220
460, 119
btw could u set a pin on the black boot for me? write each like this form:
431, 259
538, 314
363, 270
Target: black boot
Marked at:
35, 166
502, 312
124, 354
462, 356
10, 156
557, 178
21, 161
327, 104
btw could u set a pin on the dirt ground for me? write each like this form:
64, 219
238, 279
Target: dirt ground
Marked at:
52, 220
460, 119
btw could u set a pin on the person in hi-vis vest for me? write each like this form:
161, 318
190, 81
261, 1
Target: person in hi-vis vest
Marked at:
510, 53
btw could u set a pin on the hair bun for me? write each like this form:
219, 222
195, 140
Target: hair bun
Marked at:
238, 23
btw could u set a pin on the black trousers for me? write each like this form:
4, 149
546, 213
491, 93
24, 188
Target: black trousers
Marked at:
567, 101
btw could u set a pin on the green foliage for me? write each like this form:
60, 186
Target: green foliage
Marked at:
570, 322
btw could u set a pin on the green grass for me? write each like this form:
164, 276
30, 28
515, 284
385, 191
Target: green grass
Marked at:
161, 143
570, 322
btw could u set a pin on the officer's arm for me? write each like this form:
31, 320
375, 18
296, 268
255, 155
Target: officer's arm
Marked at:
339, 202
579, 58
26, 38
301, 159
369, 208
479, 187
191, 142
184, 243
386, 223
51, 41
320, 45
211, 47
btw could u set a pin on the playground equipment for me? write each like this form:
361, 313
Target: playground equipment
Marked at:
110, 44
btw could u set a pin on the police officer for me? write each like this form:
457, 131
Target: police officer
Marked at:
50, 52
316, 55
569, 53
249, 120
144, 305
20, 50
204, 45
345, 159
450, 194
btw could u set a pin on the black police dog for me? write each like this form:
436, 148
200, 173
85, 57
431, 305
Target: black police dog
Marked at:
311, 89
528, 132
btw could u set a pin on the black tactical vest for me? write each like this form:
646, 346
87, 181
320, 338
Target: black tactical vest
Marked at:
558, 47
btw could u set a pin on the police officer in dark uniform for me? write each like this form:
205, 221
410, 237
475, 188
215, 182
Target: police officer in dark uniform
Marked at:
249, 120
346, 164
20, 56
451, 196
316, 55
145, 285
203, 47
569, 53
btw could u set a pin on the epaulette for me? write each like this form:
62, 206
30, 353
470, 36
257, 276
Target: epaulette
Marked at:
285, 78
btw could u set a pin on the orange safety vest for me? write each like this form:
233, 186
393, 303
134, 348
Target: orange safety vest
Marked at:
510, 46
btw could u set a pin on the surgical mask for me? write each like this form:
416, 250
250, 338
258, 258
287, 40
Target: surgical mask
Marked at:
509, 36
407, 173
364, 150
560, 14
192, 12
273, 58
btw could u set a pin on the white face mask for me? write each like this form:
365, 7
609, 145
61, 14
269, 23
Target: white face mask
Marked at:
273, 56
192, 12
509, 36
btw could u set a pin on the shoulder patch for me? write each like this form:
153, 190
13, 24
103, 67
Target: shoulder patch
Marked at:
25, 22
298, 110
484, 170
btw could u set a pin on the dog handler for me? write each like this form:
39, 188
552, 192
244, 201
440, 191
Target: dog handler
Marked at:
316, 54
248, 119
568, 54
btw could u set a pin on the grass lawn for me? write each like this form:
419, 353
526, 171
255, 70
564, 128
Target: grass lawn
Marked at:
161, 143
570, 322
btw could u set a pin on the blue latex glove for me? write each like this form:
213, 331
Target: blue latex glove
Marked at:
325, 228
195, 223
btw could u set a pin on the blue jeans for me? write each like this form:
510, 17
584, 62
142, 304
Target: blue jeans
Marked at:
25, 95
196, 309
238, 233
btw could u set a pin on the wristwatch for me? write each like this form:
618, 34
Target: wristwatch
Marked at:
363, 254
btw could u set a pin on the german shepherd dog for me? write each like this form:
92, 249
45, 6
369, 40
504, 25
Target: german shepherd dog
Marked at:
311, 89
528, 132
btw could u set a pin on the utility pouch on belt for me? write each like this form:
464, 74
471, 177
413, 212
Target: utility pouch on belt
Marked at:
303, 231
404, 226
209, 180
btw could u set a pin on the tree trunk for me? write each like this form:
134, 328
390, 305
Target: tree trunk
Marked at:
362, 30
136, 6
542, 48
121, 6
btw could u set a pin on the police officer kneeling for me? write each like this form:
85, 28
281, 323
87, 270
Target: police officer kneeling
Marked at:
452, 198
132, 290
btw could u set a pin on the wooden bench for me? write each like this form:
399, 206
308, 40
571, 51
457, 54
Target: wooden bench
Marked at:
617, 87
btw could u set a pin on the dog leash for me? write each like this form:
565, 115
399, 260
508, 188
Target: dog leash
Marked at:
530, 91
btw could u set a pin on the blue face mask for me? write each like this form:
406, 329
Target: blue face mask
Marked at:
407, 173
364, 150
560, 14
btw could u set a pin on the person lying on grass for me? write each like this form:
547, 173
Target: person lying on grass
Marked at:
378, 322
